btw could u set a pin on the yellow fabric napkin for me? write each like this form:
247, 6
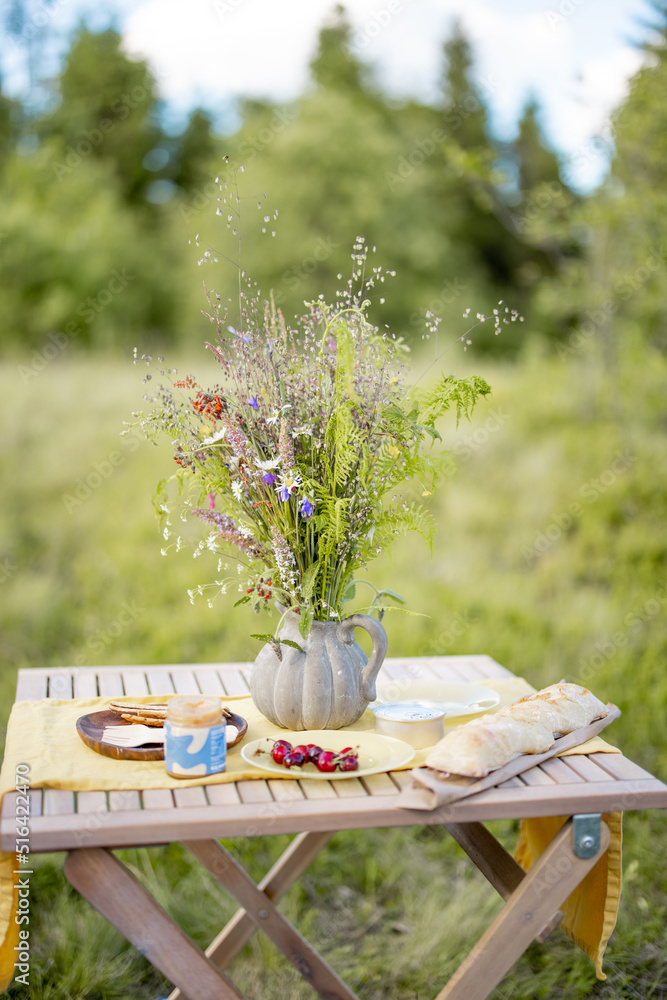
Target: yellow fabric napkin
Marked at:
589, 913
43, 735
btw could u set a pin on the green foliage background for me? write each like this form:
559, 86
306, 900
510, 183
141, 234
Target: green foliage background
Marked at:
550, 553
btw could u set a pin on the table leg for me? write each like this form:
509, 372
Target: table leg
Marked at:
496, 864
108, 886
290, 865
268, 918
549, 882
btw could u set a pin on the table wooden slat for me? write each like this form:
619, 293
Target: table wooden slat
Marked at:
286, 790
254, 791
134, 682
159, 682
473, 670
91, 802
110, 684
85, 683
557, 769
222, 795
314, 789
379, 784
35, 795
57, 802
32, 685
511, 783
403, 779
619, 766
209, 682
157, 798
489, 668
60, 685
350, 788
536, 776
449, 672
185, 682
586, 768
187, 798
234, 682
124, 800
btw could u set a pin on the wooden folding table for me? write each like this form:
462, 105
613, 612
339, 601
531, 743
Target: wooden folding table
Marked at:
89, 825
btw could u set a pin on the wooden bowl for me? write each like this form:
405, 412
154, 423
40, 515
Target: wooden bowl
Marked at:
91, 729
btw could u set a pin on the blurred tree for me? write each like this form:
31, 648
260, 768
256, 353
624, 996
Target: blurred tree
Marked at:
77, 267
344, 144
11, 116
107, 110
334, 67
537, 163
196, 149
613, 302
469, 198
465, 110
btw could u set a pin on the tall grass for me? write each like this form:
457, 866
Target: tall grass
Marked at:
550, 557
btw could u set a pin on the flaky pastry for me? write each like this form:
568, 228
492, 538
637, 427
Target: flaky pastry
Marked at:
530, 725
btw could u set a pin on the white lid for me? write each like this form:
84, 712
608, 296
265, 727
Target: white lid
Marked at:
401, 711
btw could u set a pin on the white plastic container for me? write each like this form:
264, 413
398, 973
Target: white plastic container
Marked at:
194, 736
418, 725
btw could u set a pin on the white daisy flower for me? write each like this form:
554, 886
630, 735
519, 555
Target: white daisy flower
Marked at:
218, 436
268, 465
287, 485
237, 490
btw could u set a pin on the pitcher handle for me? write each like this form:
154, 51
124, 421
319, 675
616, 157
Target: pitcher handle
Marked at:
378, 652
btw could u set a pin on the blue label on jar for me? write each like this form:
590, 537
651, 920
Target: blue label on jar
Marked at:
194, 751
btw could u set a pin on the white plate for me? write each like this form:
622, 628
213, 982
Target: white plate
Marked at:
376, 753
455, 697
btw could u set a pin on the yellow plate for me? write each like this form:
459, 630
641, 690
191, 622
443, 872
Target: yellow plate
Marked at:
455, 697
376, 753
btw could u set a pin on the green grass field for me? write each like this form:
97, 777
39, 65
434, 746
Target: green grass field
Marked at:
550, 557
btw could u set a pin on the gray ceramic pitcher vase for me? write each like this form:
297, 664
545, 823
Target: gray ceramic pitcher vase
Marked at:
327, 683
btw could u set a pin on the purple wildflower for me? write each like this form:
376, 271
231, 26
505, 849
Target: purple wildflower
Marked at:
229, 531
284, 557
306, 507
285, 447
269, 478
283, 493
238, 441
253, 402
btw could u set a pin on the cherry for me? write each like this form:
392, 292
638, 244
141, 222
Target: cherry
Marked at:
314, 752
326, 761
348, 763
301, 748
294, 758
282, 743
279, 753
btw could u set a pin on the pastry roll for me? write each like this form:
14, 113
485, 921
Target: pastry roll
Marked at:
562, 707
528, 726
487, 743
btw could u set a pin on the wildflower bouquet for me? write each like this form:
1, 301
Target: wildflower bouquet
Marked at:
300, 459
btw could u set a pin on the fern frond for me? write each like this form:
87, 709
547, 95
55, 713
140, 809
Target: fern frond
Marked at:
398, 521
462, 393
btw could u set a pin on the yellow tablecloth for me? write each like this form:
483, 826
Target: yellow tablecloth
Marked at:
42, 734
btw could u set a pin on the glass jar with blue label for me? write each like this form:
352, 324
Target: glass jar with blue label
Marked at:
194, 736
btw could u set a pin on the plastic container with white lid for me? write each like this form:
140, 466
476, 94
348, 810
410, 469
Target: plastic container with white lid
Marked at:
418, 725
194, 736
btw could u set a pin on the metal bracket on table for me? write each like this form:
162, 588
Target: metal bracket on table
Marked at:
586, 834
